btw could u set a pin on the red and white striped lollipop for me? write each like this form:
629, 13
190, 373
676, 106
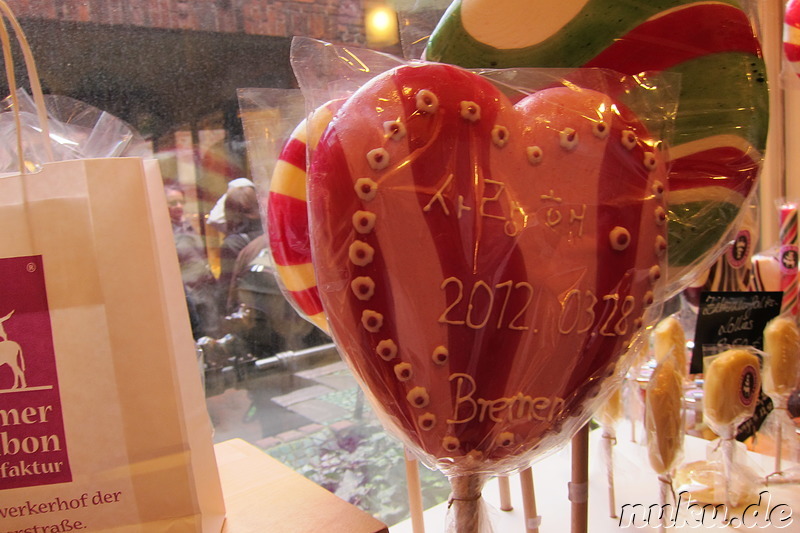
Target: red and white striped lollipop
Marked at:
791, 34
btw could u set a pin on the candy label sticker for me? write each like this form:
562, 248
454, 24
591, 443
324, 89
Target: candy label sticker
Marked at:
788, 256
33, 447
748, 390
739, 252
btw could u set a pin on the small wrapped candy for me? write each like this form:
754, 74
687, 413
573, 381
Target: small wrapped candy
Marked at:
664, 421
782, 346
664, 417
730, 394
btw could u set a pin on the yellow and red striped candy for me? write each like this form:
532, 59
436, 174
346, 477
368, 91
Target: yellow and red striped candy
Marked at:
287, 216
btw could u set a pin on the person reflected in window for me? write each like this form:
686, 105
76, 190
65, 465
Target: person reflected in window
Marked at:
243, 224
198, 281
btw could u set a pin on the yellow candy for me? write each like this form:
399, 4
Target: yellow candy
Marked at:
664, 416
732, 386
782, 344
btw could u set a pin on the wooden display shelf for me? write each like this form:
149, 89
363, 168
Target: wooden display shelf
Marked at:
262, 494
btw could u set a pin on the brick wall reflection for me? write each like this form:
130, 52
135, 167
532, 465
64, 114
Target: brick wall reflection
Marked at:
338, 21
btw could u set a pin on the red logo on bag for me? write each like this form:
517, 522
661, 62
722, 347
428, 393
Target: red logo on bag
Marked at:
33, 447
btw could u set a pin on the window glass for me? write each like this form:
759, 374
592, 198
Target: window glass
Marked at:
171, 69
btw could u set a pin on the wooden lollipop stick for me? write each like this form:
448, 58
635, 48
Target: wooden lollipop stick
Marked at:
529, 501
728, 448
579, 486
505, 493
608, 448
665, 486
414, 494
779, 446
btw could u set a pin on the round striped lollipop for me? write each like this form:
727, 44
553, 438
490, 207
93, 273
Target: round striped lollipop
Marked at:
721, 123
791, 34
287, 216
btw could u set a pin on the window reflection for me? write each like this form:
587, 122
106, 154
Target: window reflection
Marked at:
172, 69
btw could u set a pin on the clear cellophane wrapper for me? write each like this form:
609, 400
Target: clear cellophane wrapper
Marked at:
779, 429
729, 398
480, 312
709, 482
717, 151
77, 131
781, 377
272, 120
665, 422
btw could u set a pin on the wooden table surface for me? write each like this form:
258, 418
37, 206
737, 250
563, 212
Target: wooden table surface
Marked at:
263, 495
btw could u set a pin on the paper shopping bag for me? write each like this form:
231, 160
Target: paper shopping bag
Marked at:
103, 425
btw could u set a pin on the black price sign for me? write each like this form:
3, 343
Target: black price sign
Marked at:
732, 319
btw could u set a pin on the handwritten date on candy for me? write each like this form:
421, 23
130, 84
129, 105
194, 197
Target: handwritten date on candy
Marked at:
473, 306
41, 511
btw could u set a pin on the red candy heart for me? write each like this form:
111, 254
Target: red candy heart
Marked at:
484, 266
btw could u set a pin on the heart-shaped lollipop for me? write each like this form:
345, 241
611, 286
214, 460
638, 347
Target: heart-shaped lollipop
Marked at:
484, 265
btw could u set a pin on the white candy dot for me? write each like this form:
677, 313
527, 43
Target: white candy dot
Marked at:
628, 139
650, 160
403, 371
426, 421
450, 444
440, 355
366, 189
363, 222
648, 298
660, 246
655, 273
361, 253
470, 111
371, 320
505, 439
661, 216
427, 101
363, 287
600, 129
394, 129
499, 136
568, 139
658, 189
534, 154
378, 158
620, 238
418, 397
386, 349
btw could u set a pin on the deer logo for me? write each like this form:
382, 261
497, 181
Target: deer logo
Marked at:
11, 355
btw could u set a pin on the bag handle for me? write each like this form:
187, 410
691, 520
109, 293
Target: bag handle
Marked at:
33, 77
